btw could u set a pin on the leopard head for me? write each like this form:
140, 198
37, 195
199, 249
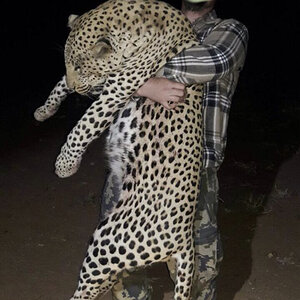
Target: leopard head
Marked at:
89, 56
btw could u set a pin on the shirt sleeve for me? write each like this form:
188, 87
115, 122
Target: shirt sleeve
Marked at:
221, 52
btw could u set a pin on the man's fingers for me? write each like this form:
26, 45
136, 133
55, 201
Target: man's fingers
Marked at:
174, 99
170, 104
175, 85
178, 93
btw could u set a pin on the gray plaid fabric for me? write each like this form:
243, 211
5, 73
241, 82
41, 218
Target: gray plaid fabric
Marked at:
216, 62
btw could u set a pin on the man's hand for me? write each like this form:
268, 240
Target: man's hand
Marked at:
164, 91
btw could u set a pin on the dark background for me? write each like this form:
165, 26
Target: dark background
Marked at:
263, 131
33, 35
264, 123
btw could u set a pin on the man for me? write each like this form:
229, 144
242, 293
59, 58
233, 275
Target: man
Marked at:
216, 63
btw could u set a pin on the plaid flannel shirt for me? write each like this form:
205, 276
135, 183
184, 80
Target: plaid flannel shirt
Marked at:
216, 63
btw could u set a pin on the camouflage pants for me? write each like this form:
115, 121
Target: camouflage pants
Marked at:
136, 286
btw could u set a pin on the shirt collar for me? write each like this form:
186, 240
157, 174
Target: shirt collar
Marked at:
207, 19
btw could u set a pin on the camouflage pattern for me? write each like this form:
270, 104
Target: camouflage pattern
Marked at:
135, 285
132, 286
110, 195
207, 240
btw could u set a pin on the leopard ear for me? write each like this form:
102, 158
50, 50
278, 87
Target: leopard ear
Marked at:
71, 20
101, 48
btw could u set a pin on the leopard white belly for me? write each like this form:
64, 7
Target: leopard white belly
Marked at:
118, 141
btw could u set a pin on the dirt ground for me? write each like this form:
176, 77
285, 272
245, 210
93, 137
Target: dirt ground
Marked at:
46, 221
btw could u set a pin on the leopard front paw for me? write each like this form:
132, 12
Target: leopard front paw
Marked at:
66, 166
42, 113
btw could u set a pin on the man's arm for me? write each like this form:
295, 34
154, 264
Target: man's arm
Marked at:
221, 52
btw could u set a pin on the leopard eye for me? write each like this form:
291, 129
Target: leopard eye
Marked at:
77, 68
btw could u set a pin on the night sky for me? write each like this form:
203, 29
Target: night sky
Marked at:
33, 35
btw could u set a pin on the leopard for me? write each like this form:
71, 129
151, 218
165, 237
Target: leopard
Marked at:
155, 153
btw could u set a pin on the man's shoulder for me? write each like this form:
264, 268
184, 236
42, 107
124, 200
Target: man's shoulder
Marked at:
211, 22
231, 23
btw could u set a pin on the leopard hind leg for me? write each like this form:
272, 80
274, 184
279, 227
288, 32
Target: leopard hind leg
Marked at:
91, 289
185, 272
